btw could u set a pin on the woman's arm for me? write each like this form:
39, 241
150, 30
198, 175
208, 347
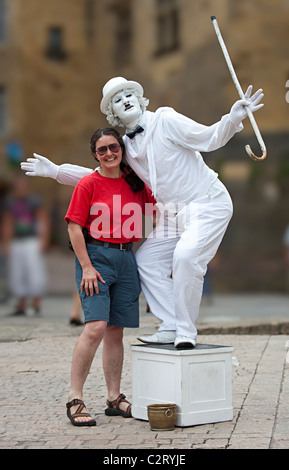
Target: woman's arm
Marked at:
43, 224
89, 274
6, 232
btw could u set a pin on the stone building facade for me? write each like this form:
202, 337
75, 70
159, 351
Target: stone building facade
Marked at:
56, 56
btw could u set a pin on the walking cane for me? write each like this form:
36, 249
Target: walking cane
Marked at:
242, 96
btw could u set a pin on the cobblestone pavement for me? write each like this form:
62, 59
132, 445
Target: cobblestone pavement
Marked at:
35, 358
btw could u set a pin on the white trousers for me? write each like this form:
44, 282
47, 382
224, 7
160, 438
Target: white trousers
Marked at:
183, 245
27, 273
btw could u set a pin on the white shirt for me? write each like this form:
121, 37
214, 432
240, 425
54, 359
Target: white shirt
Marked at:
166, 156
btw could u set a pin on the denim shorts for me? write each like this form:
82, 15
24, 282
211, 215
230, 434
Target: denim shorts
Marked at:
118, 300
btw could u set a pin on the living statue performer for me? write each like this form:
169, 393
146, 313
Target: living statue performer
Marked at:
163, 148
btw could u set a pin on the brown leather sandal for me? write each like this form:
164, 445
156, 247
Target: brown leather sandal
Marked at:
114, 410
78, 413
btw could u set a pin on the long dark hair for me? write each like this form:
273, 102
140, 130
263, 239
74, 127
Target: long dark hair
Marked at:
130, 176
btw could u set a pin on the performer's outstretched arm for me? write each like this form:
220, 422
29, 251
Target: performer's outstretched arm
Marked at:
65, 173
204, 138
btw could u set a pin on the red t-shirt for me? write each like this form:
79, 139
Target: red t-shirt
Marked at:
109, 209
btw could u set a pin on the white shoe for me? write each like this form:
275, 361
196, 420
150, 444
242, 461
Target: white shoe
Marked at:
161, 337
184, 342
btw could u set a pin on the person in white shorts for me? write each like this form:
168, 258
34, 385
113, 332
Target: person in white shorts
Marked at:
25, 237
163, 148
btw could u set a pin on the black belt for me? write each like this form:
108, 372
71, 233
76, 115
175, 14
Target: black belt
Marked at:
118, 246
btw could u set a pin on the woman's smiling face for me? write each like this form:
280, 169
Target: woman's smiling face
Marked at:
112, 157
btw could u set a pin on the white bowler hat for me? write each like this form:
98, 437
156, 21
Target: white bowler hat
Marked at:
115, 85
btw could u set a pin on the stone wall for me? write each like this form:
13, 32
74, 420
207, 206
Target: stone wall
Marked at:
53, 101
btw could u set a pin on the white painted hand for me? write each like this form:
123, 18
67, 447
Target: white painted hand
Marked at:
40, 166
238, 111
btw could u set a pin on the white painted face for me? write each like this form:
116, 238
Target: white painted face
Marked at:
125, 105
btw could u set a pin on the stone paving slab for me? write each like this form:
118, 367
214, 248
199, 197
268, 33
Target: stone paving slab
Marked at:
35, 359
34, 387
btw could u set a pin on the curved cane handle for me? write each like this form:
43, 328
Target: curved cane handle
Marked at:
259, 139
253, 156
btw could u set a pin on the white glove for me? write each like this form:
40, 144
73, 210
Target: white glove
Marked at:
40, 166
238, 110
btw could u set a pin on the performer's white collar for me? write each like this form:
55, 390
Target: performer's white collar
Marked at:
141, 122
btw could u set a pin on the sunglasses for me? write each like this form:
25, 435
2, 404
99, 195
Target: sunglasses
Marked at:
101, 151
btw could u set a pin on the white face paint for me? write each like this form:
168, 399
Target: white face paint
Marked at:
126, 107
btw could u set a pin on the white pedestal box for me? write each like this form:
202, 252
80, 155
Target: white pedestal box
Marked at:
198, 381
